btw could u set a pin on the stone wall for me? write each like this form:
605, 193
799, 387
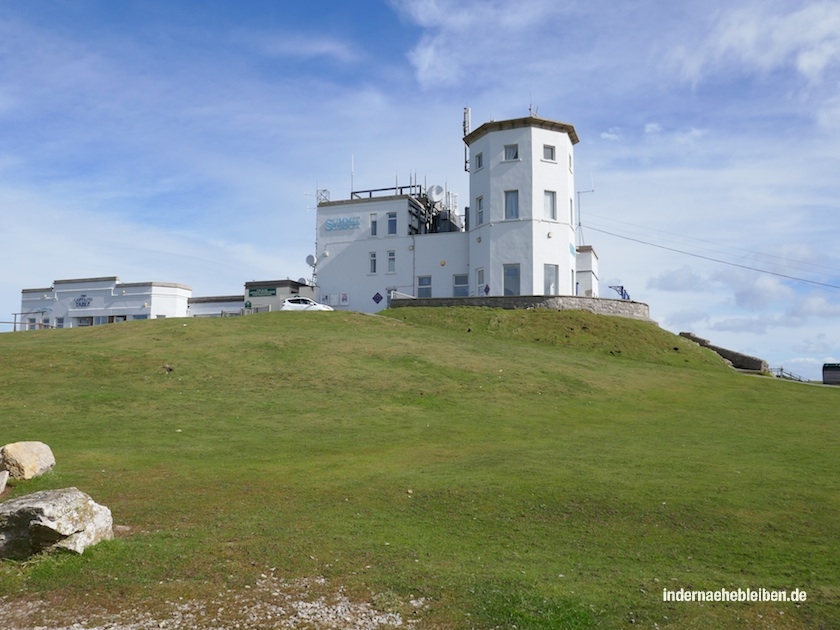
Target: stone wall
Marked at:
601, 306
737, 359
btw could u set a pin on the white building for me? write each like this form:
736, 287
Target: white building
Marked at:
516, 238
93, 301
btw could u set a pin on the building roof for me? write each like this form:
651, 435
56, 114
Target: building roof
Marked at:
516, 123
216, 299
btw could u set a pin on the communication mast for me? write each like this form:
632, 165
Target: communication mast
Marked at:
467, 125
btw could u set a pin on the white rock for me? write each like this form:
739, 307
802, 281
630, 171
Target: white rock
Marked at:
25, 460
52, 519
4, 477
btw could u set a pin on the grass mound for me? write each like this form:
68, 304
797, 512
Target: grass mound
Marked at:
525, 468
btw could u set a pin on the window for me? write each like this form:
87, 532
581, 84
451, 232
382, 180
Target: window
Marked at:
511, 204
392, 261
84, 321
59, 322
372, 262
551, 276
551, 205
392, 223
511, 151
571, 211
461, 285
479, 282
511, 276
570, 161
46, 322
373, 226
31, 324
548, 153
478, 161
424, 286
479, 210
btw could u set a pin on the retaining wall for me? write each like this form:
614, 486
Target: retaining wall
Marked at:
737, 359
601, 306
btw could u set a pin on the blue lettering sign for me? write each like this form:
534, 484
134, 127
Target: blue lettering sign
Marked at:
82, 301
343, 223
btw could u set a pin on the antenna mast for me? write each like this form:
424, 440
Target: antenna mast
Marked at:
578, 227
467, 125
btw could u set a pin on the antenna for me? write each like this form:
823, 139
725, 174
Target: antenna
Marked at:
579, 227
467, 126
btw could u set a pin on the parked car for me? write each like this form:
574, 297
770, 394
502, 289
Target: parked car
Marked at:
303, 304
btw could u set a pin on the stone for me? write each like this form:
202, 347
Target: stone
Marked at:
52, 519
4, 477
25, 460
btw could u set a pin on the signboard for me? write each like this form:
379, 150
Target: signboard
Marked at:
343, 223
263, 292
83, 301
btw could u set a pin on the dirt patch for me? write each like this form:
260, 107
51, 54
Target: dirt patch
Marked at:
271, 603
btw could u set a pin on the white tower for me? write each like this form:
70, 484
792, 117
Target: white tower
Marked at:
522, 226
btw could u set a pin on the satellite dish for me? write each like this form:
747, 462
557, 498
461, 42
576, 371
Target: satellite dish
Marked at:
436, 193
301, 280
310, 260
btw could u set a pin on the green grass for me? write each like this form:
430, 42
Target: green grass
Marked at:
515, 468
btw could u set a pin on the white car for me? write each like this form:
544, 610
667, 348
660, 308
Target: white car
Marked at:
303, 304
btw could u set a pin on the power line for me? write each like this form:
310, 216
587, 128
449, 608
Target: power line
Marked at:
717, 260
778, 259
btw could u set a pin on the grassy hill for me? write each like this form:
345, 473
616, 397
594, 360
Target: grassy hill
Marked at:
463, 468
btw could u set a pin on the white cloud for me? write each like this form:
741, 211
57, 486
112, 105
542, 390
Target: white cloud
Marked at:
768, 36
820, 344
298, 45
815, 306
685, 319
682, 279
612, 134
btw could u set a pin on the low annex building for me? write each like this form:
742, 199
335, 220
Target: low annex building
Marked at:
94, 301
106, 300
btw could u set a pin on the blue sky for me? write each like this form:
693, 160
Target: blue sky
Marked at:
184, 141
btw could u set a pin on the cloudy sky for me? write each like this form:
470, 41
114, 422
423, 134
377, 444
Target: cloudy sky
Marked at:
184, 141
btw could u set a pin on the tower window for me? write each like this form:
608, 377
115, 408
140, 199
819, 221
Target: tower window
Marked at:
551, 205
511, 204
548, 153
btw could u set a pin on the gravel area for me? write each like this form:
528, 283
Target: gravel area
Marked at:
271, 603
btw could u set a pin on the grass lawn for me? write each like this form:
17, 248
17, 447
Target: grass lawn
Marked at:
533, 469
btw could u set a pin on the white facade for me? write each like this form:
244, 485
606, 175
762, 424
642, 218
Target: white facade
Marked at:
518, 238
93, 301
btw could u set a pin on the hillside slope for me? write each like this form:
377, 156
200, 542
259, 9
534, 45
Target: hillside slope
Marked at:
530, 468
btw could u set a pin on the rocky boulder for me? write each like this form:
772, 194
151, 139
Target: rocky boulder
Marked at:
52, 519
4, 477
25, 460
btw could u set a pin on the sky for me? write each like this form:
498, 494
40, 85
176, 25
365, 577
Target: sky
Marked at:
185, 141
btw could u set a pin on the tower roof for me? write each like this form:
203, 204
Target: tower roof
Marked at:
515, 123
